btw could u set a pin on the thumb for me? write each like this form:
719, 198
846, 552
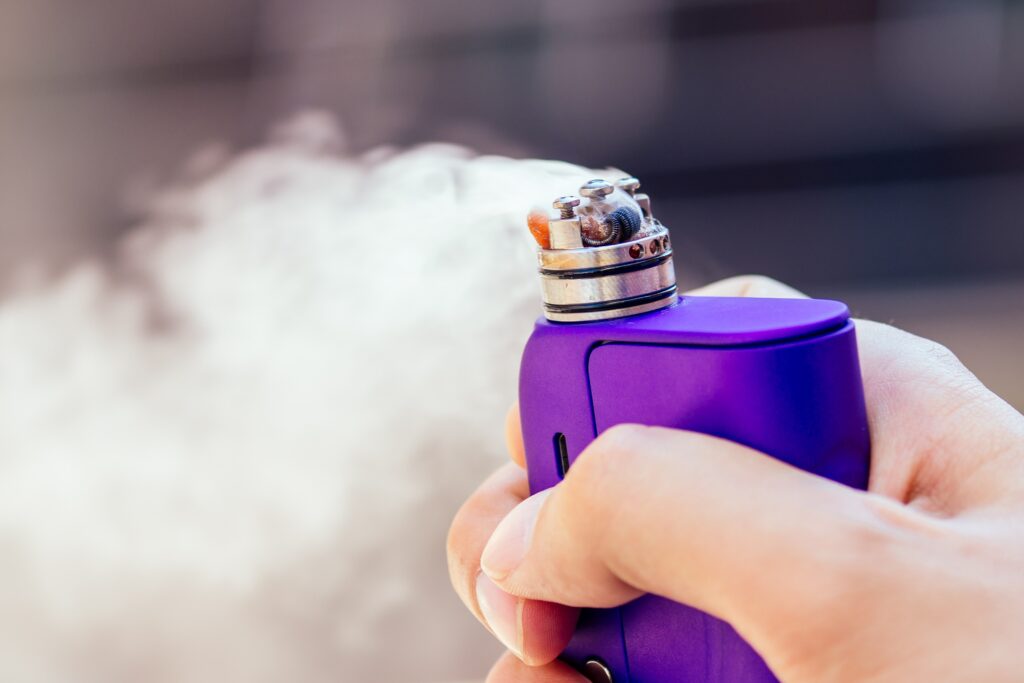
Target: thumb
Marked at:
694, 518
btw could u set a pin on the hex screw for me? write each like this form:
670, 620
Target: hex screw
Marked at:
566, 206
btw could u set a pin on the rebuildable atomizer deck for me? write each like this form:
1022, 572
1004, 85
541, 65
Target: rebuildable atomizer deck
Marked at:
604, 256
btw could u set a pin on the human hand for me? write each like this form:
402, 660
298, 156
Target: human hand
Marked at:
921, 578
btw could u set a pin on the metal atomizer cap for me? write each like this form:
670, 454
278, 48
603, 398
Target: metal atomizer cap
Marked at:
606, 257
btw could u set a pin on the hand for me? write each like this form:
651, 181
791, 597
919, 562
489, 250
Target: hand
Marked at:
919, 579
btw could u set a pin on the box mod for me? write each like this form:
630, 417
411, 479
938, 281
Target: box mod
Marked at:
618, 345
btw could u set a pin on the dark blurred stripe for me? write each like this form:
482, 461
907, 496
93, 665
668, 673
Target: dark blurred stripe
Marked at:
752, 17
988, 154
240, 69
711, 20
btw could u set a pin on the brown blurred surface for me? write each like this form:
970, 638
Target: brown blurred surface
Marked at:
852, 148
870, 150
888, 134
982, 323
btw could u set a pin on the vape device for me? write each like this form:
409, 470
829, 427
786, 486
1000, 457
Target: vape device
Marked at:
617, 344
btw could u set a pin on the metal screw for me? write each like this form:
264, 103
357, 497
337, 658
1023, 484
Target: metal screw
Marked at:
566, 206
596, 671
630, 185
596, 189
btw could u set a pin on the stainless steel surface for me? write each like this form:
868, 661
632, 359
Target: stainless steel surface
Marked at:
598, 283
566, 205
558, 291
600, 257
629, 184
593, 316
644, 201
596, 189
565, 234
597, 672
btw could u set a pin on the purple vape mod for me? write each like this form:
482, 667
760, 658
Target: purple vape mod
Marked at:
618, 344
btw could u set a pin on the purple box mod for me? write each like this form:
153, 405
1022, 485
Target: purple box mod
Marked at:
618, 344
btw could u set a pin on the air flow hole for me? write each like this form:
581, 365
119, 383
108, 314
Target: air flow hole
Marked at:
561, 455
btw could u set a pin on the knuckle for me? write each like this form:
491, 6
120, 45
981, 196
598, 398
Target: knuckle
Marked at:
940, 357
855, 565
887, 532
754, 285
913, 363
942, 370
927, 353
754, 281
871, 534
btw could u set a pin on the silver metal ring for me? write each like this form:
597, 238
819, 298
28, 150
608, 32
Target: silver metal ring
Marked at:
596, 257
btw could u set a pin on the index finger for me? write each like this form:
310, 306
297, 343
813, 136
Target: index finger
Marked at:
753, 286
514, 436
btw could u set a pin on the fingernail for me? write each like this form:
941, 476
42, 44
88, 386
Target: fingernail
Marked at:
502, 612
510, 541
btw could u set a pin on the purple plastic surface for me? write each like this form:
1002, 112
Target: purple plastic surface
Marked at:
779, 375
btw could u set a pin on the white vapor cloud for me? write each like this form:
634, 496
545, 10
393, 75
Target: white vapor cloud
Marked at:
232, 453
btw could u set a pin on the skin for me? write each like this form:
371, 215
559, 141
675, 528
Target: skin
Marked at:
919, 579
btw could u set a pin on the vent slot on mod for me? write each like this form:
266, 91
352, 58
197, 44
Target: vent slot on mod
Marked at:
561, 455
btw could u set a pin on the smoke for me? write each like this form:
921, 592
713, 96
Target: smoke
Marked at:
232, 454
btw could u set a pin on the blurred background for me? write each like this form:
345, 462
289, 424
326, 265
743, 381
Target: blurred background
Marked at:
870, 149
866, 150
